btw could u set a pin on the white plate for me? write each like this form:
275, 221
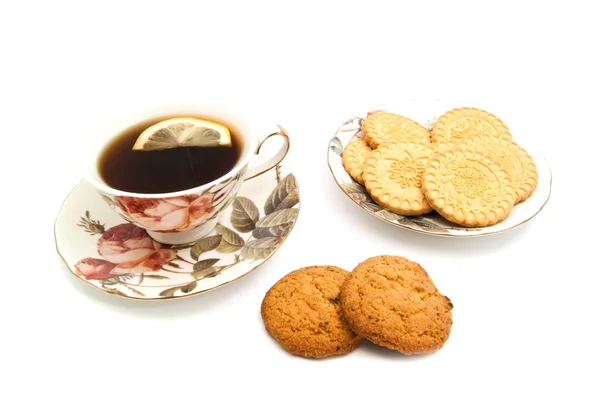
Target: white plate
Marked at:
426, 114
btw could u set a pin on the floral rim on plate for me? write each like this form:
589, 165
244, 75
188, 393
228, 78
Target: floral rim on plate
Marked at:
122, 259
426, 114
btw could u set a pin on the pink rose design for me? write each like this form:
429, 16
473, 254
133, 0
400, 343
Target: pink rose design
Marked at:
132, 250
94, 269
180, 213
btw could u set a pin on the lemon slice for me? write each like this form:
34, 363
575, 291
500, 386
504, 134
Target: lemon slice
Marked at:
183, 132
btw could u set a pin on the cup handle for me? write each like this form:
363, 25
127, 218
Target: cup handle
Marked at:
262, 163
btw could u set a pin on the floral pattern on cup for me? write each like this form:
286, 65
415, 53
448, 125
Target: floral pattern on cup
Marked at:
179, 213
131, 264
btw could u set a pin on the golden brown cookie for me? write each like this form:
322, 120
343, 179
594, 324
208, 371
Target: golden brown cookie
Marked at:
354, 157
393, 177
392, 301
463, 122
511, 157
302, 312
383, 126
468, 188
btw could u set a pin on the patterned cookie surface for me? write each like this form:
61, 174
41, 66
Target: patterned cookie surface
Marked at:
468, 188
393, 177
382, 126
354, 156
392, 301
511, 157
303, 314
463, 122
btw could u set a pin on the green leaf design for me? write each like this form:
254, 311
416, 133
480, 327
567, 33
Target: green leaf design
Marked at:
285, 195
424, 224
204, 245
114, 291
219, 197
336, 146
169, 292
156, 277
289, 201
260, 248
358, 197
206, 268
373, 207
90, 226
244, 214
109, 201
230, 240
276, 224
386, 214
109, 281
205, 264
136, 291
354, 188
175, 265
189, 287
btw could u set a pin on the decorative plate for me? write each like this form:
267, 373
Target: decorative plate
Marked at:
426, 114
119, 258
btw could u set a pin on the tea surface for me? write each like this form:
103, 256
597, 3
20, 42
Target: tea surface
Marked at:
166, 170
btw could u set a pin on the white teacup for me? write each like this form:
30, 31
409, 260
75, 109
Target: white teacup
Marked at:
192, 213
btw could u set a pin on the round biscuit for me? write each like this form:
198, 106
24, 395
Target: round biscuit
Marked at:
382, 126
462, 122
302, 312
391, 301
468, 188
511, 157
392, 176
354, 156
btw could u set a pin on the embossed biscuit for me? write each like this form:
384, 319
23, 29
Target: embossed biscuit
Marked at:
393, 177
303, 314
460, 123
383, 126
511, 157
354, 156
468, 188
392, 302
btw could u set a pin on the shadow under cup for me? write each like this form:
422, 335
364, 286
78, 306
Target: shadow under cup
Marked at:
182, 217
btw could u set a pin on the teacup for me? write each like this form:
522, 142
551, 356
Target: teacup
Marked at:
183, 217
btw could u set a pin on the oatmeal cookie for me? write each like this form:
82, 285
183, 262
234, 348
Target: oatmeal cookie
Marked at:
391, 301
302, 312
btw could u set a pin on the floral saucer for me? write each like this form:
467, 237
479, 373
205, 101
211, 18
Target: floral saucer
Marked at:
426, 114
119, 258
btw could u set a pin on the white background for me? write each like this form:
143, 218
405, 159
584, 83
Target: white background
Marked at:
526, 302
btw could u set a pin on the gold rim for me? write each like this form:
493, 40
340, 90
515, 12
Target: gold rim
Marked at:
448, 235
174, 296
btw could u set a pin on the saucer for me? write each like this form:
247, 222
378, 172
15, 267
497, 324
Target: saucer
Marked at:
107, 252
426, 113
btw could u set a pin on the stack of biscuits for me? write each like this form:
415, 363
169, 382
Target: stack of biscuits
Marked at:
467, 167
320, 311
